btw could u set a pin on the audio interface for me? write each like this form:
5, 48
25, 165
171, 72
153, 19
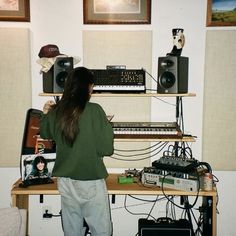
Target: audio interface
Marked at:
153, 178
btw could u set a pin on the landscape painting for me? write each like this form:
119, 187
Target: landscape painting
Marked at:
221, 13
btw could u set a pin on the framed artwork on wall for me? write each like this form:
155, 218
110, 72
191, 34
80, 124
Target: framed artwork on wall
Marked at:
14, 10
117, 12
221, 13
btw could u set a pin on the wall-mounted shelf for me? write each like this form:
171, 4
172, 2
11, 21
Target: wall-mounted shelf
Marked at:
127, 95
183, 139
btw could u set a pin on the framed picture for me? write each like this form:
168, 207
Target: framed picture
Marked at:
117, 12
221, 13
14, 10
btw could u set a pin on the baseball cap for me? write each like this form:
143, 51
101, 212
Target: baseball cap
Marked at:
49, 51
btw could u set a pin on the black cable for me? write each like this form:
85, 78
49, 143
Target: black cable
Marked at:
182, 122
156, 89
197, 222
145, 214
136, 150
162, 100
56, 99
177, 110
149, 214
216, 179
184, 208
178, 151
139, 159
153, 90
170, 206
140, 154
187, 206
207, 165
145, 200
173, 213
182, 113
150, 75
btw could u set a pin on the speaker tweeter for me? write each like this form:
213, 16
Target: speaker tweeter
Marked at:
54, 80
172, 74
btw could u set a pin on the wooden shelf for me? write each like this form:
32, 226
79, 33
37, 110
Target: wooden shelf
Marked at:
184, 139
113, 187
21, 196
126, 95
140, 95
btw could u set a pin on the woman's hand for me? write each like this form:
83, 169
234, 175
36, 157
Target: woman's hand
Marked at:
48, 106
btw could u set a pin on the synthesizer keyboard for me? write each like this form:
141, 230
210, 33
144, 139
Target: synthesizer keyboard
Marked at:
119, 80
119, 88
146, 130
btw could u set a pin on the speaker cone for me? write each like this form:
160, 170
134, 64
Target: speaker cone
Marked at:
61, 78
167, 79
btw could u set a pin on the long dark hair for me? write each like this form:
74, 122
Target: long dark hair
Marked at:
37, 160
75, 96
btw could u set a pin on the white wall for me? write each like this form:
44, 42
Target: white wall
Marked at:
61, 22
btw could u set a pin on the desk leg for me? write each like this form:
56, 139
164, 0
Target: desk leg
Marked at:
22, 202
214, 215
209, 216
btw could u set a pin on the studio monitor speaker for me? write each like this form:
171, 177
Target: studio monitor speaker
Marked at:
54, 80
172, 74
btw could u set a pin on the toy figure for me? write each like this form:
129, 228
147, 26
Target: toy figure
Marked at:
179, 41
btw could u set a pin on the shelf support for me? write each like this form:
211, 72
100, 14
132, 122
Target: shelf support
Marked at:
177, 112
177, 117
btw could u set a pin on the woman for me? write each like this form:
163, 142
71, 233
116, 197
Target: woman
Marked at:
39, 168
83, 136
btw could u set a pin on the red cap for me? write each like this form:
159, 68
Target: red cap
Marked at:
49, 50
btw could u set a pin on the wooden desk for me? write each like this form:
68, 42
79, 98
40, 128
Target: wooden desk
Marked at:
20, 196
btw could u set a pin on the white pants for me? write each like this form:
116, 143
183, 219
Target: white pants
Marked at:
85, 200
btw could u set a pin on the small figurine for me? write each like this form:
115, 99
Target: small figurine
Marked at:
178, 41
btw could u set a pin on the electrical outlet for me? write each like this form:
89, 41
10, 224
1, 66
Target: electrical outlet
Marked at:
46, 209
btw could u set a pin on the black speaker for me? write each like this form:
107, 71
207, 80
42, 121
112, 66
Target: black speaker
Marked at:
172, 74
54, 80
167, 228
